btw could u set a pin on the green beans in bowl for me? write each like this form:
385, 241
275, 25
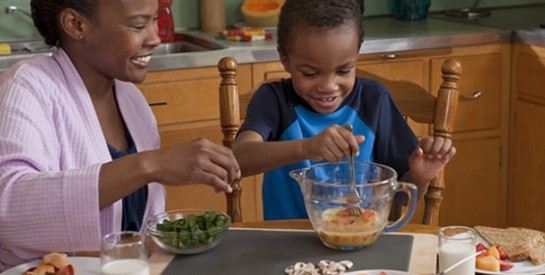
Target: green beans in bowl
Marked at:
188, 231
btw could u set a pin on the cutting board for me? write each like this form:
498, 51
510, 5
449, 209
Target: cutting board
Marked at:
264, 252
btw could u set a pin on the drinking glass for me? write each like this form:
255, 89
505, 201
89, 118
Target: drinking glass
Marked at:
124, 253
410, 9
455, 243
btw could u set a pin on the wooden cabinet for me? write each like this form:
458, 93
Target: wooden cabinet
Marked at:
526, 188
185, 103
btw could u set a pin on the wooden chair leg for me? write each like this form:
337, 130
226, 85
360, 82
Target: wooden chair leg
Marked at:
433, 200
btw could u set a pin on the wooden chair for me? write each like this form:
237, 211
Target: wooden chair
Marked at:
414, 101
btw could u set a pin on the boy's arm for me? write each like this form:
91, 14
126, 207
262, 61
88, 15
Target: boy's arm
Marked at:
256, 156
421, 184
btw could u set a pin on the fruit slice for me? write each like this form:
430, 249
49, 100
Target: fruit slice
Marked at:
505, 265
489, 263
493, 251
480, 247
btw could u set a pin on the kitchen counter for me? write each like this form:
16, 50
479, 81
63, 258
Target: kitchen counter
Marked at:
383, 35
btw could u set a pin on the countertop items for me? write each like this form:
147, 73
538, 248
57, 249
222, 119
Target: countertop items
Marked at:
514, 18
383, 35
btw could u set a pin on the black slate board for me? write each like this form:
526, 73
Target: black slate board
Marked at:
270, 252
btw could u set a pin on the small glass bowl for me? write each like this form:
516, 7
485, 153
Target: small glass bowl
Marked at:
185, 241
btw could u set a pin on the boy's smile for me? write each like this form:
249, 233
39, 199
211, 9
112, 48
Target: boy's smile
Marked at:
322, 64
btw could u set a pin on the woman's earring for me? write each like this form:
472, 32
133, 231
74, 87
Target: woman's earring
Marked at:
80, 36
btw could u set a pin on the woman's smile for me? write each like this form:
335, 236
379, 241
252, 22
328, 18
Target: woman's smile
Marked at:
141, 61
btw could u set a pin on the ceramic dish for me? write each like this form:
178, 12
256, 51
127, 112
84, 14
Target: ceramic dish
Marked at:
377, 272
82, 266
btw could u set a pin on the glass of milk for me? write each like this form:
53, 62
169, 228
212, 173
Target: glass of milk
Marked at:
456, 243
124, 253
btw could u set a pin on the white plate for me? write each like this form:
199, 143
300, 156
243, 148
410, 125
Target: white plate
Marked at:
82, 266
244, 25
524, 267
377, 272
518, 269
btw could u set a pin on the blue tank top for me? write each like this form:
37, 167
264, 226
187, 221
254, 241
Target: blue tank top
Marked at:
134, 204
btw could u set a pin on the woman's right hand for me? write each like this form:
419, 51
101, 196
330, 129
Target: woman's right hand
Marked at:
198, 161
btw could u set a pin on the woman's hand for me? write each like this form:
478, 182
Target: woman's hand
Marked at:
198, 161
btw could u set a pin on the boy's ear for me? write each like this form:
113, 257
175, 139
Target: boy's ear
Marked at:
71, 23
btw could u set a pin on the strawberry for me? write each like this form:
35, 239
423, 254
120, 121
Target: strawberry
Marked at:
503, 255
481, 246
504, 265
67, 270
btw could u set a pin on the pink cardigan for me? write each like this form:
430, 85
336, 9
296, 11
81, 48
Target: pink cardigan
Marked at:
51, 152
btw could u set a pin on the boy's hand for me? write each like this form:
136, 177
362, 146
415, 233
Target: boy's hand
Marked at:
430, 157
332, 144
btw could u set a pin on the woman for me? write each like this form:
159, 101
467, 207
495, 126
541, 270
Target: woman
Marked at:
79, 153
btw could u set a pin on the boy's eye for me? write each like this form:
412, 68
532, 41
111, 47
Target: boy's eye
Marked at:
343, 72
308, 74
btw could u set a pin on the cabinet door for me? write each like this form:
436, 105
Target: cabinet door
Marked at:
481, 72
267, 71
472, 195
526, 188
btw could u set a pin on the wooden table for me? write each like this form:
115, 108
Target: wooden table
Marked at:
423, 255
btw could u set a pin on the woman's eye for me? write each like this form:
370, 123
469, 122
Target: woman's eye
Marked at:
344, 72
139, 27
306, 74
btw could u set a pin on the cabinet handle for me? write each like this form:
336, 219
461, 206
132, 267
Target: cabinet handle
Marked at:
475, 95
157, 104
389, 55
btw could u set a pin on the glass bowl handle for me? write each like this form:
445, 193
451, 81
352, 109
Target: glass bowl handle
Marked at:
411, 190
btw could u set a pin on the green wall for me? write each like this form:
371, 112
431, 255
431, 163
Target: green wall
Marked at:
186, 13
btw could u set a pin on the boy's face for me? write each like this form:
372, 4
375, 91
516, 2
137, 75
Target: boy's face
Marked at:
322, 65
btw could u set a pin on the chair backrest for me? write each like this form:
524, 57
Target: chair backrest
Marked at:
415, 102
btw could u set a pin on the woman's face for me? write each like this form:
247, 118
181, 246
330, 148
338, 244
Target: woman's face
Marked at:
322, 65
120, 39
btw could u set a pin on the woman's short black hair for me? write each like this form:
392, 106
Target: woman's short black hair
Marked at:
319, 15
45, 14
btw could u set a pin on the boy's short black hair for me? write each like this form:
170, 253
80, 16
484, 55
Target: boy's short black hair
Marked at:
317, 14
